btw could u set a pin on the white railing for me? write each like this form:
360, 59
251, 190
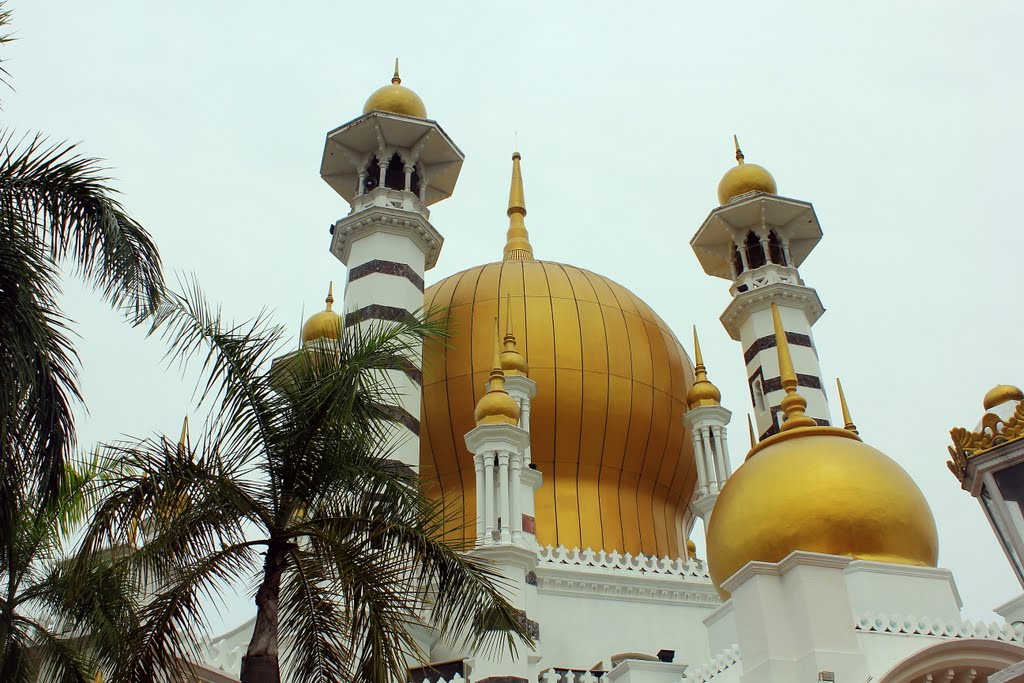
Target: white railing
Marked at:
644, 564
943, 628
719, 663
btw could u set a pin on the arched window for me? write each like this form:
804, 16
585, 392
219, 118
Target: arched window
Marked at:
395, 176
759, 395
372, 175
775, 249
755, 253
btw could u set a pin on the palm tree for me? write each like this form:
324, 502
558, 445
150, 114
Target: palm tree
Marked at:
288, 487
59, 621
56, 210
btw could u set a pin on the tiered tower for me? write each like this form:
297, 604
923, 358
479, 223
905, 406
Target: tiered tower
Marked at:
706, 421
390, 164
757, 240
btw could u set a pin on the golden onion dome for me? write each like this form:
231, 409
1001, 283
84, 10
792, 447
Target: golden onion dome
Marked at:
691, 549
606, 425
323, 325
703, 392
817, 489
396, 99
496, 406
1000, 394
743, 178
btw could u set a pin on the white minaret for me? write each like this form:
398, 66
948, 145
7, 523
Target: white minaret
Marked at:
505, 488
757, 240
706, 421
390, 164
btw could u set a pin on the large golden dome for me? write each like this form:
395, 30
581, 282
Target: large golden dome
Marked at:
818, 489
607, 421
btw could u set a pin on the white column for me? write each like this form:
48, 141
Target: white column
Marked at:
516, 515
706, 437
524, 418
384, 161
408, 177
480, 498
503, 501
742, 249
698, 456
488, 490
721, 473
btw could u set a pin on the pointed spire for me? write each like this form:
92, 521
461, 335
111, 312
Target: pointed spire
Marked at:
703, 392
330, 295
183, 439
739, 152
396, 79
750, 428
496, 406
517, 239
793, 404
847, 420
512, 362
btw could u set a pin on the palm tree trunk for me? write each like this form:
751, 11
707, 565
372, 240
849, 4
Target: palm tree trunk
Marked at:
260, 663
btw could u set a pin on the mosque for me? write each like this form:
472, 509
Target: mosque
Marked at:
568, 421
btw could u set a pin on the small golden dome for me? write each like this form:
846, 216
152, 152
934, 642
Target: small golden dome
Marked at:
496, 406
691, 549
512, 362
396, 98
703, 392
1001, 393
323, 325
743, 178
819, 489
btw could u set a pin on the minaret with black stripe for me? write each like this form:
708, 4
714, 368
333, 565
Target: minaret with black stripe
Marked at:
757, 240
390, 164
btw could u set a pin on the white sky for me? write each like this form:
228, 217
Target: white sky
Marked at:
899, 121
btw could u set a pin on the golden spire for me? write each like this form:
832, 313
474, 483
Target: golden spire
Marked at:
793, 405
512, 362
396, 79
703, 392
330, 295
517, 239
325, 324
735, 140
750, 428
848, 426
496, 406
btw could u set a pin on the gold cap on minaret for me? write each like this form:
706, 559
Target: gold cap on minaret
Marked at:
1001, 393
396, 98
517, 239
793, 405
847, 420
512, 362
743, 178
323, 325
496, 406
703, 392
750, 428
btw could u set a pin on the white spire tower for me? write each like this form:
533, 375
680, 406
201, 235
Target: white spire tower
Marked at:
390, 164
757, 240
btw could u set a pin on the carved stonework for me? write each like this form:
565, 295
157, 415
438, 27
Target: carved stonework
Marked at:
994, 432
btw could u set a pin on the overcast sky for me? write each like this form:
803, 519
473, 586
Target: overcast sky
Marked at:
899, 121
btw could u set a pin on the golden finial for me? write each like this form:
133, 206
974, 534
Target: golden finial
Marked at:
496, 406
735, 141
750, 428
512, 362
703, 392
848, 421
396, 79
517, 239
793, 405
330, 295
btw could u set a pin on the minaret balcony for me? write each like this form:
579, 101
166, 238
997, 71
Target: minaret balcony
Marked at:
386, 197
768, 274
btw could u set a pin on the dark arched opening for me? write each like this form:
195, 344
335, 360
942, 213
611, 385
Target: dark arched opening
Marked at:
372, 179
755, 253
775, 253
737, 260
394, 178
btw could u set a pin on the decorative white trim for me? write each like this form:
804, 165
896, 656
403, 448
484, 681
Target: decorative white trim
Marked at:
754, 300
382, 219
627, 666
719, 663
872, 622
724, 610
624, 577
797, 558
